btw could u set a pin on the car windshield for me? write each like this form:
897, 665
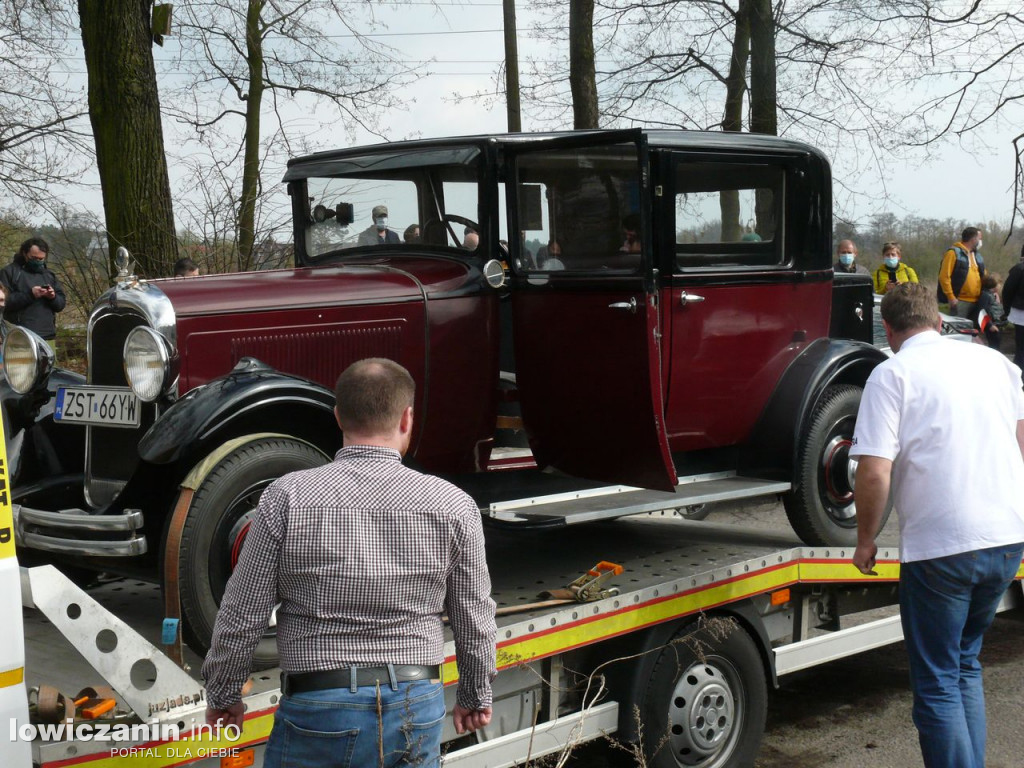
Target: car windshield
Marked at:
408, 201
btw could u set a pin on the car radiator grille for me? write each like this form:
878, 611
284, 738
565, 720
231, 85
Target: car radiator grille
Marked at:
111, 452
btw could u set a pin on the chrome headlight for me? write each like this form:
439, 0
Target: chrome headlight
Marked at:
494, 273
148, 363
28, 359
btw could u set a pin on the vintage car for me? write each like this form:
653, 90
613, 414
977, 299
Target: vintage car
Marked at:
681, 326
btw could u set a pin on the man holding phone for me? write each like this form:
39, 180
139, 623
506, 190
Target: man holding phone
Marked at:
34, 295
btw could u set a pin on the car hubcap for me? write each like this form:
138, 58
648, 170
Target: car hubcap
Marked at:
702, 715
839, 470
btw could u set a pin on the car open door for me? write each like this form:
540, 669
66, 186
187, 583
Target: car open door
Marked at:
585, 314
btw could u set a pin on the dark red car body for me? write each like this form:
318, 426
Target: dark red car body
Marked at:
712, 350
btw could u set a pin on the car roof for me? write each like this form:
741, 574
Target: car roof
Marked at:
661, 138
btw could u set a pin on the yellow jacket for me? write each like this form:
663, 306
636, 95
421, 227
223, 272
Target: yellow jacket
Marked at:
970, 289
904, 274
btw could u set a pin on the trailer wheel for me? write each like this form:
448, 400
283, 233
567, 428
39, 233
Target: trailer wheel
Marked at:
821, 507
706, 701
215, 530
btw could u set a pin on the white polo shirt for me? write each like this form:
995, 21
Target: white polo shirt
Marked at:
946, 414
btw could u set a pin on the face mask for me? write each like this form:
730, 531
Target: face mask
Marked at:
35, 266
846, 259
892, 262
381, 222
978, 246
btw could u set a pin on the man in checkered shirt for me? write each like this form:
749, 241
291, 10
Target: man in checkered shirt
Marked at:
362, 556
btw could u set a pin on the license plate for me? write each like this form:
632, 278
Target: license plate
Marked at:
107, 407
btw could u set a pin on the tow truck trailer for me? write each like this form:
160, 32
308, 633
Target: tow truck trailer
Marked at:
677, 652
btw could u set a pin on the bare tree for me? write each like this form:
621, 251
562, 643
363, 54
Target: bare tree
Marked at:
44, 139
124, 108
823, 71
279, 59
582, 75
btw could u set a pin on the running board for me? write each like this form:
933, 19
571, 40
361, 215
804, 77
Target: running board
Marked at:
621, 500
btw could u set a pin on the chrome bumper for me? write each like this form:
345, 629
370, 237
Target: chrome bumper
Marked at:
104, 535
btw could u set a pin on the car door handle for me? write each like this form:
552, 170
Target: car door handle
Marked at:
627, 305
690, 298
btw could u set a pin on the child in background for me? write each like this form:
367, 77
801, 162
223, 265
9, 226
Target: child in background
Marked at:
988, 310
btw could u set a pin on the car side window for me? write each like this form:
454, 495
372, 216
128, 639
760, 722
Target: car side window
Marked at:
583, 205
728, 214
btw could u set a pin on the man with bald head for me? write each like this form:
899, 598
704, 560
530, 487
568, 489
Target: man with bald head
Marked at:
846, 259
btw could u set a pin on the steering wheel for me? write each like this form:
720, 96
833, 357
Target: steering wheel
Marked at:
448, 218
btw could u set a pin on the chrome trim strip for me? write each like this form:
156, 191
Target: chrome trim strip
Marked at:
127, 548
77, 519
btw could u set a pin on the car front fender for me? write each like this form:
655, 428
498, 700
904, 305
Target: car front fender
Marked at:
253, 398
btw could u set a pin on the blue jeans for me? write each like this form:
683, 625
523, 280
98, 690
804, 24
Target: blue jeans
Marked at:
946, 604
336, 728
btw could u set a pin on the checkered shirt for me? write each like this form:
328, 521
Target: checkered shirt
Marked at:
363, 556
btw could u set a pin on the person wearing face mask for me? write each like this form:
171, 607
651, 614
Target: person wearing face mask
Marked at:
846, 259
34, 295
379, 234
893, 271
960, 274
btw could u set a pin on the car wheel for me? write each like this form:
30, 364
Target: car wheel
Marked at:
821, 507
706, 701
215, 530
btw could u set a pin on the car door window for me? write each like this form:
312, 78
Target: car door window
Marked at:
584, 206
728, 214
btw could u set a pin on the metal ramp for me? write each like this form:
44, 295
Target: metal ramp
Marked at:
609, 502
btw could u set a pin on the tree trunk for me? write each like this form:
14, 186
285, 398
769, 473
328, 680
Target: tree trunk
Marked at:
763, 100
124, 108
582, 77
515, 122
732, 120
253, 107
736, 81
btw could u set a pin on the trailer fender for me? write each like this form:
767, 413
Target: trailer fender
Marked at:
628, 681
772, 450
252, 398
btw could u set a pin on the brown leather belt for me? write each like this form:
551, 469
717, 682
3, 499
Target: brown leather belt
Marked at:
300, 682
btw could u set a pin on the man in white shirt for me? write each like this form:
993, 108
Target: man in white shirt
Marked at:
942, 423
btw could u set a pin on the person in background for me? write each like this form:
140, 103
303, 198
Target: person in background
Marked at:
551, 260
631, 234
34, 294
988, 309
892, 271
1013, 303
961, 271
185, 267
470, 239
846, 259
378, 233
412, 233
